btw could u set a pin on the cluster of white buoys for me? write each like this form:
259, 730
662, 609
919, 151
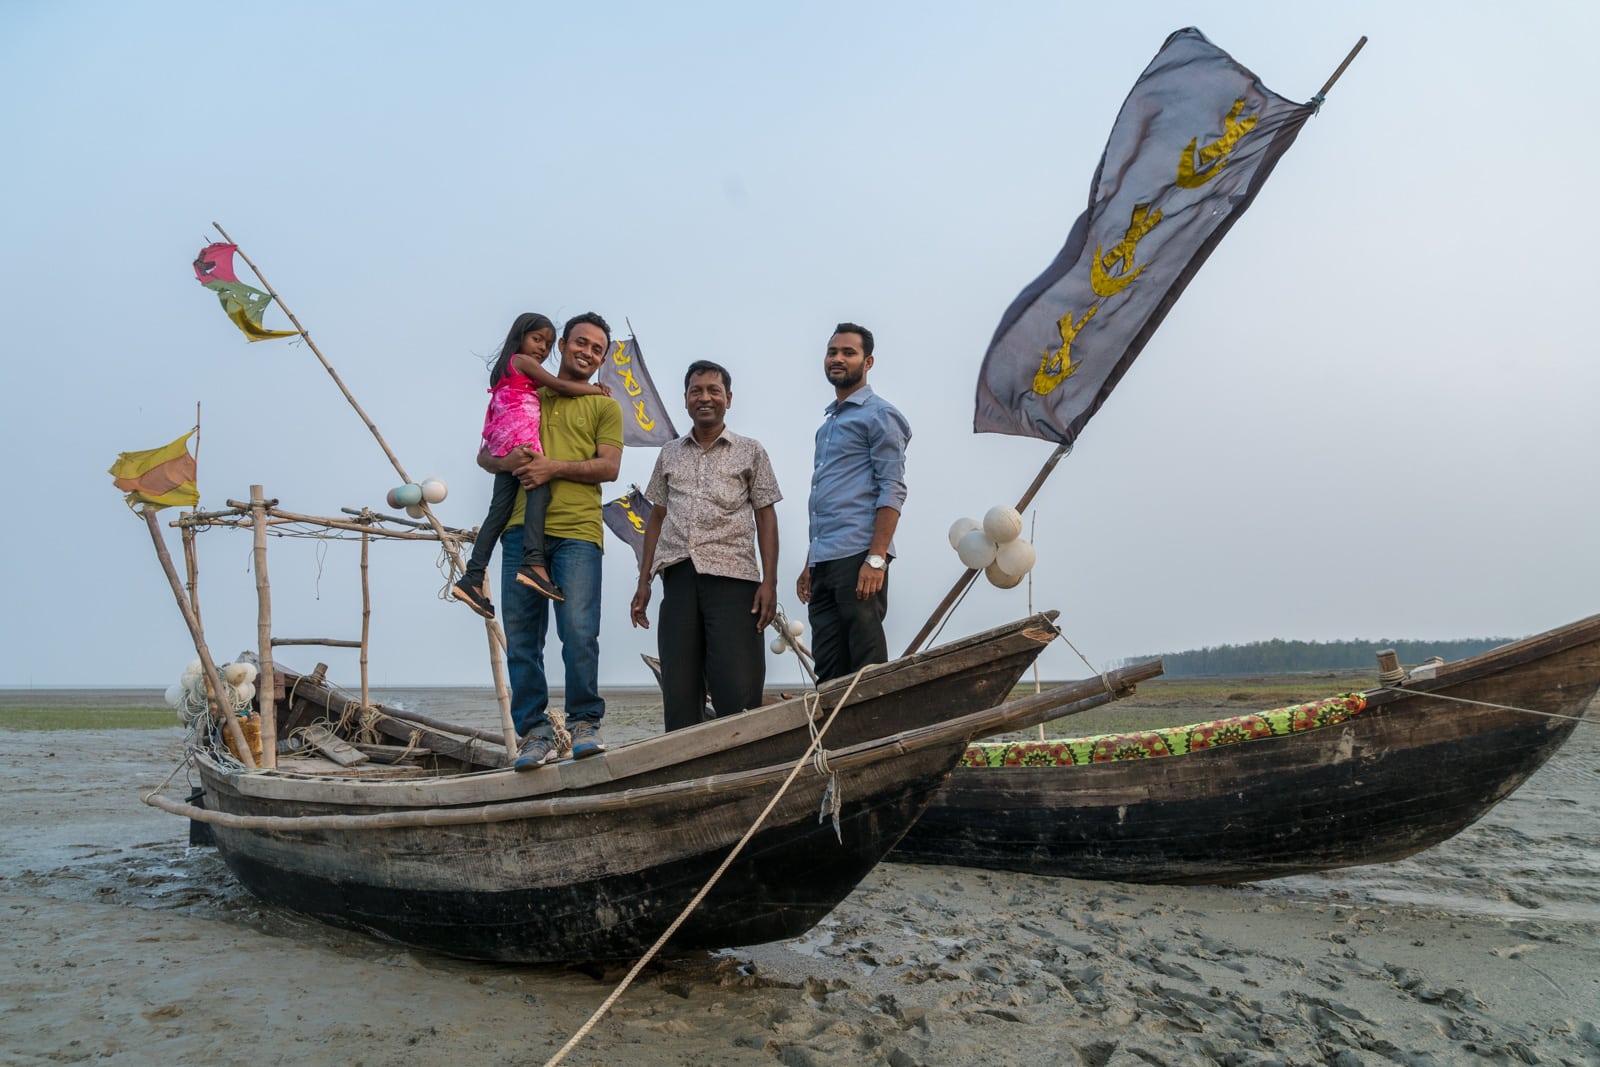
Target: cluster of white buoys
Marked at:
187, 696
411, 495
780, 644
994, 546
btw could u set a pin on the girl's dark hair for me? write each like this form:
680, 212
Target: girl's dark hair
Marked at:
526, 323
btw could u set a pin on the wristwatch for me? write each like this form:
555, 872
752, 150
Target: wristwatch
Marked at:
876, 562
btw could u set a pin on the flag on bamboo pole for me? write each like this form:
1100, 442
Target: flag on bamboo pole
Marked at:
644, 417
158, 477
1193, 144
244, 304
626, 516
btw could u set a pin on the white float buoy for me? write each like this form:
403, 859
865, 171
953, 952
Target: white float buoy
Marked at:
434, 490
1016, 558
1002, 524
778, 646
796, 627
415, 511
961, 527
975, 549
999, 578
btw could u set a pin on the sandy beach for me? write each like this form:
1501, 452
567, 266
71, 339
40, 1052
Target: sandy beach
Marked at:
127, 946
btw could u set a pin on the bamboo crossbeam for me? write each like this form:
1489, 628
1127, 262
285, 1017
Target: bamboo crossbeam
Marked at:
330, 642
419, 533
279, 517
378, 516
205, 518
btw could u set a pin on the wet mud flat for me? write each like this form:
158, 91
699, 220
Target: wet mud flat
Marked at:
125, 945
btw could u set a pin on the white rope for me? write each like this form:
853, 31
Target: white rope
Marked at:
1499, 707
794, 772
1105, 679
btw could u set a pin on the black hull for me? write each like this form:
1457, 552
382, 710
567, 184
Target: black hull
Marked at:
1407, 773
1266, 824
539, 867
786, 880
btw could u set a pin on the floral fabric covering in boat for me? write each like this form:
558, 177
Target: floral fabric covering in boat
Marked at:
1171, 741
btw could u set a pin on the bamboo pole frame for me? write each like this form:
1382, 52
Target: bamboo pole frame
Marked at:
495, 631
191, 567
266, 691
214, 686
366, 619
502, 689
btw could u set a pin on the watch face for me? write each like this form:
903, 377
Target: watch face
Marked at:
875, 562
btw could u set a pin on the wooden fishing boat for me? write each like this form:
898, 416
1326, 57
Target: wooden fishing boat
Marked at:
945, 682
1371, 778
419, 831
550, 865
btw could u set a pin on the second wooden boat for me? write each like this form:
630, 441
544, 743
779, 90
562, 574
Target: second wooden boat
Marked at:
1373, 778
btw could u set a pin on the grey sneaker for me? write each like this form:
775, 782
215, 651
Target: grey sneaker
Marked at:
586, 740
535, 751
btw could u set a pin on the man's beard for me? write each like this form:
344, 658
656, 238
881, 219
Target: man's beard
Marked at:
849, 381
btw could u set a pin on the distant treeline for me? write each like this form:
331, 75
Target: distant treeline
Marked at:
1283, 657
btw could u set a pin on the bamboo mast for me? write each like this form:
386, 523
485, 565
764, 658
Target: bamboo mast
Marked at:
366, 619
214, 686
191, 557
433, 521
266, 692
502, 691
191, 567
1061, 450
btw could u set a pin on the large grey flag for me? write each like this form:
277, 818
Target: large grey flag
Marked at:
1194, 142
644, 418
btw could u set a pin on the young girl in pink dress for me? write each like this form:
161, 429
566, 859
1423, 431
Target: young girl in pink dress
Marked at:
512, 422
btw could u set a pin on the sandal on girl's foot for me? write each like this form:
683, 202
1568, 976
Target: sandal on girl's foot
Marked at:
472, 597
543, 586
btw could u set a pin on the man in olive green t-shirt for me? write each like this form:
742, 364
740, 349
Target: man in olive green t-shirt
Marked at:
582, 441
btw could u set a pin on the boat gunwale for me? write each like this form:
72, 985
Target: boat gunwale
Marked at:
644, 756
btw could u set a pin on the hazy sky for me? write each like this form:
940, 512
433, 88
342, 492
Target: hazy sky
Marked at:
1372, 415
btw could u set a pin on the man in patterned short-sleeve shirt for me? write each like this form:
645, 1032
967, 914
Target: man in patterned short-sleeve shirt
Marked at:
712, 496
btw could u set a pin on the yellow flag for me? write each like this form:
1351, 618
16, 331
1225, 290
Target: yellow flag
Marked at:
158, 477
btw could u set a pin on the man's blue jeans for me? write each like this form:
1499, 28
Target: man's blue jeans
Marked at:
575, 566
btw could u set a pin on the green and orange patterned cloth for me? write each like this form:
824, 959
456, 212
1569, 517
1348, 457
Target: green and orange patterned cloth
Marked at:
1171, 741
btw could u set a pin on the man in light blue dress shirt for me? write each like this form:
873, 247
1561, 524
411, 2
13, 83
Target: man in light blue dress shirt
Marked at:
858, 487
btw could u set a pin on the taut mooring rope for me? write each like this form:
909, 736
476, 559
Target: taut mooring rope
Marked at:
605, 1006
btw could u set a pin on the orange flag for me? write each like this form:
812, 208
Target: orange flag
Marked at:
158, 477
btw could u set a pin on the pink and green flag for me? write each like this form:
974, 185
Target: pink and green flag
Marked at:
244, 304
